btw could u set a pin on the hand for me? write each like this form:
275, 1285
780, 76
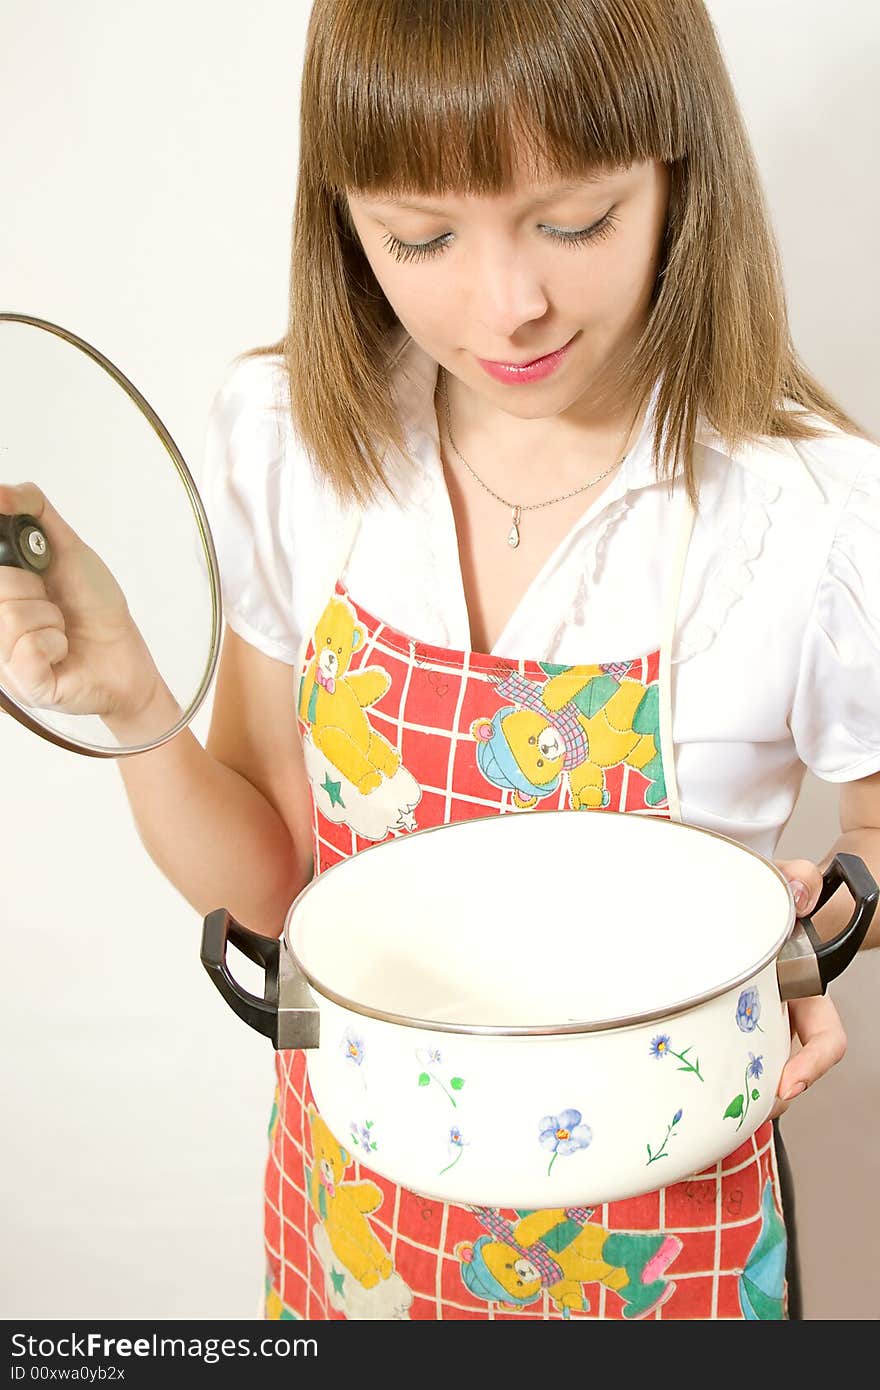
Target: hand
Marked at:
67, 639
815, 1022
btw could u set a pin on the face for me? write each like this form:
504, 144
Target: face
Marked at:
517, 276
536, 745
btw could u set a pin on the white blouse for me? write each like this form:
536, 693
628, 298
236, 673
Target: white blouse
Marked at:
776, 658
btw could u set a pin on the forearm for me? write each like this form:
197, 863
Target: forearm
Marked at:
864, 842
213, 834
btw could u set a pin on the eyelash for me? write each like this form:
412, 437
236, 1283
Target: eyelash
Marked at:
405, 251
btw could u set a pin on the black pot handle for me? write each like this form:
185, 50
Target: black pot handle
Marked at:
834, 956
219, 928
23, 543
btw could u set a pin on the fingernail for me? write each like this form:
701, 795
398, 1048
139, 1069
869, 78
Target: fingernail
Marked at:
801, 893
795, 1090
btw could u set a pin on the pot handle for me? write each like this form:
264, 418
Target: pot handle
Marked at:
221, 927
287, 1013
807, 964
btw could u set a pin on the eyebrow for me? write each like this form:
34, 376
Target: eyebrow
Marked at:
536, 202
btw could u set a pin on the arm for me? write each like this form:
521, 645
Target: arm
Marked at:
368, 685
816, 1022
230, 824
535, 1226
860, 834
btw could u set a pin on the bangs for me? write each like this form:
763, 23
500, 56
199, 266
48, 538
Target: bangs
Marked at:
468, 97
454, 96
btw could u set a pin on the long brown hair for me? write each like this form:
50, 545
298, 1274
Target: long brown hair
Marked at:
432, 95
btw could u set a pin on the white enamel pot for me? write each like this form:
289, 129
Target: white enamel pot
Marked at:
546, 1009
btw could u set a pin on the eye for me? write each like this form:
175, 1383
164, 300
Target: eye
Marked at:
420, 251
329, 641
533, 739
540, 762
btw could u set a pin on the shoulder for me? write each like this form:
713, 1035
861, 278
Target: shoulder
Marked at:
260, 380
815, 481
250, 389
251, 443
837, 462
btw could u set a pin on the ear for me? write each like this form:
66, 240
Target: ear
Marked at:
482, 730
344, 1156
523, 803
464, 1251
357, 638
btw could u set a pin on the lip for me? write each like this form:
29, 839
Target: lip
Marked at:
536, 369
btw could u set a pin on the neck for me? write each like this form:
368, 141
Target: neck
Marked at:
571, 447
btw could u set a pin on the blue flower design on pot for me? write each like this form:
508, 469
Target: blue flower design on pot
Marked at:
661, 1152
564, 1134
748, 1011
456, 1145
430, 1059
353, 1047
361, 1135
739, 1106
661, 1046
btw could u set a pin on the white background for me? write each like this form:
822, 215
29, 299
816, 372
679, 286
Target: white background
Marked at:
147, 180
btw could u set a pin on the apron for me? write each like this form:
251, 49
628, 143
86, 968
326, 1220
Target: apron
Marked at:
400, 736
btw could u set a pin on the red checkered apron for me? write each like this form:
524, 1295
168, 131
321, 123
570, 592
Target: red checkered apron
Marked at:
343, 1241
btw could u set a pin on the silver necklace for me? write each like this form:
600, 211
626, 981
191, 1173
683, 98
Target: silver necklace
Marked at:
515, 508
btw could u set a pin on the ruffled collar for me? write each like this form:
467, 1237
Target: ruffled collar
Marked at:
769, 466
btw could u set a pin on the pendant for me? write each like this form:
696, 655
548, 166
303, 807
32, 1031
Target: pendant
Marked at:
513, 534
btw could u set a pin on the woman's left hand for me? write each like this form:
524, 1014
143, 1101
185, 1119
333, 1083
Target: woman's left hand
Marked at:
814, 1021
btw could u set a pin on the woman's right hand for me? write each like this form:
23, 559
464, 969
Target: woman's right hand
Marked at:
68, 641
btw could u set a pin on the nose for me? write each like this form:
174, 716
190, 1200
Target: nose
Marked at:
507, 293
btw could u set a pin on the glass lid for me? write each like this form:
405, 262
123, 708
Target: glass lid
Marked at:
110, 612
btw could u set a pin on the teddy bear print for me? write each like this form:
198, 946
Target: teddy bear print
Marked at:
557, 1251
344, 1206
333, 701
580, 721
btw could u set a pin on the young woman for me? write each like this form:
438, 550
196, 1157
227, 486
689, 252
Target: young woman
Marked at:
537, 409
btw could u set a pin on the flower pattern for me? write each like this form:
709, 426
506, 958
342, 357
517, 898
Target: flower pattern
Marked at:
564, 1133
739, 1106
361, 1135
456, 1144
661, 1046
353, 1047
661, 1152
748, 1011
430, 1058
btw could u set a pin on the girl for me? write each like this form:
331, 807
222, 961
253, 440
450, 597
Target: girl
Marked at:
537, 407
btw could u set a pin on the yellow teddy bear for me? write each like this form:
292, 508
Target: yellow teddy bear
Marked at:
343, 1208
580, 721
332, 702
559, 1250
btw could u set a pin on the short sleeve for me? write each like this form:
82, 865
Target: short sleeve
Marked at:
835, 718
246, 488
